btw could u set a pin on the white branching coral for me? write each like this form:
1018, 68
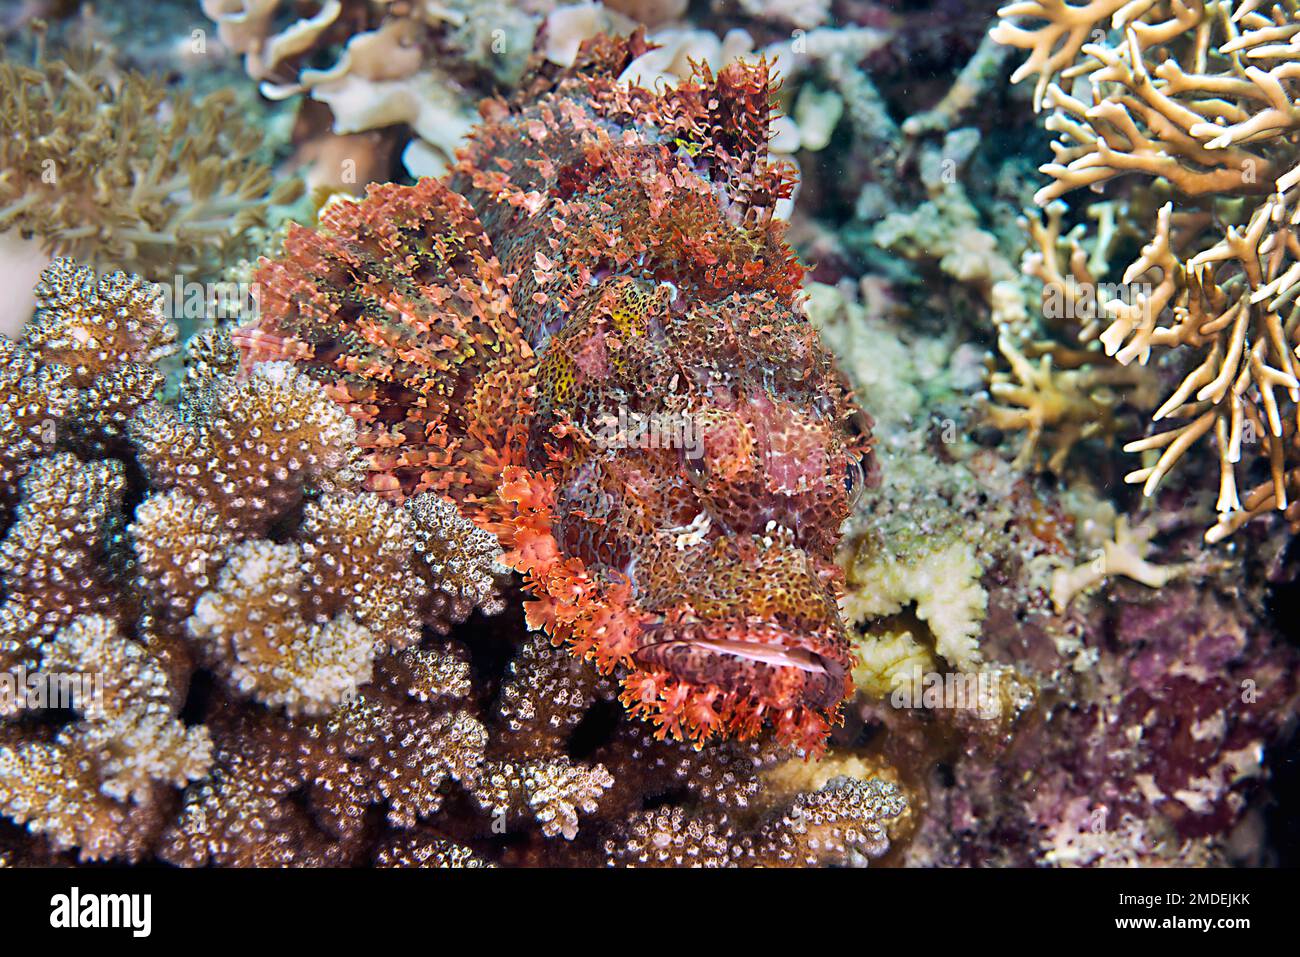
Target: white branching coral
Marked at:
253, 630
461, 560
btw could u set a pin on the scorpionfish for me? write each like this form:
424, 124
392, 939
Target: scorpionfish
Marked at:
590, 336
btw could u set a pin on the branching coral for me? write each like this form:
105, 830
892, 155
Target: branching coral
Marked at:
297, 623
294, 623
82, 367
248, 446
1197, 98
249, 627
53, 555
112, 169
1074, 392
1068, 396
843, 822
1125, 554
99, 783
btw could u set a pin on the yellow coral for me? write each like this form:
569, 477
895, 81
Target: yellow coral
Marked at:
941, 585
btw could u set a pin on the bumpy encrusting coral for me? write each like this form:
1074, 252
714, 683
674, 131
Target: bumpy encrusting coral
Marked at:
592, 341
1197, 98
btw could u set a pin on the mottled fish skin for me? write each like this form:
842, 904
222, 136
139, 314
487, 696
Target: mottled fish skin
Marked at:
592, 339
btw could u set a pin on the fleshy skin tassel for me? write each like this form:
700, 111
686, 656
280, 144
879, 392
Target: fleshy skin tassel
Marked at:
590, 338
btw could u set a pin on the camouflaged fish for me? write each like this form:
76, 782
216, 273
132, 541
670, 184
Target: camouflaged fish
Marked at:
590, 337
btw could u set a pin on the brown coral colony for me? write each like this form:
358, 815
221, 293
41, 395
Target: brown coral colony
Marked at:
1196, 99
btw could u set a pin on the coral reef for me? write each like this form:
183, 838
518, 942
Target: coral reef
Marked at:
217, 558
291, 585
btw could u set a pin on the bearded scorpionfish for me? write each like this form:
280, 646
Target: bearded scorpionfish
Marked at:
590, 337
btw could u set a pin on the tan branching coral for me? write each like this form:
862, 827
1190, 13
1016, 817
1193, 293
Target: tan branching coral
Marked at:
180, 545
1198, 99
52, 559
82, 367
109, 333
554, 792
297, 620
419, 850
1073, 392
247, 446
459, 559
253, 630
843, 822
34, 399
1054, 44
1064, 398
98, 784
113, 169
1126, 555
297, 623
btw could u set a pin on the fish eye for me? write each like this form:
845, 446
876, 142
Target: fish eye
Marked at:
853, 480
696, 468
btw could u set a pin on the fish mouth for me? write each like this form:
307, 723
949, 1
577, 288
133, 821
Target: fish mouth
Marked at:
770, 664
768, 653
